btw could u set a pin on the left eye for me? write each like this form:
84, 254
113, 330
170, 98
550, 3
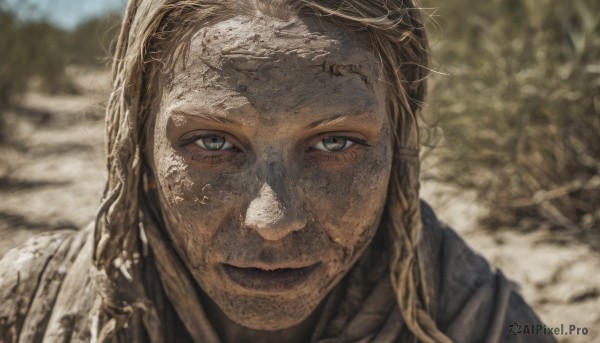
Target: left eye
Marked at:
213, 143
333, 143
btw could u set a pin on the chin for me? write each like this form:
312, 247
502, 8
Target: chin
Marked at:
267, 313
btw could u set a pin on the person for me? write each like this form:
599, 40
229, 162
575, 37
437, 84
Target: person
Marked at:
262, 187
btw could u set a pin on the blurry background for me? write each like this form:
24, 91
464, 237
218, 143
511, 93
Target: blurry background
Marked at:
54, 84
511, 131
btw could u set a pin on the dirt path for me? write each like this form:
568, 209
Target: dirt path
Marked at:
56, 175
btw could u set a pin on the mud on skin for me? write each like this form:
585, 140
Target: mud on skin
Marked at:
265, 214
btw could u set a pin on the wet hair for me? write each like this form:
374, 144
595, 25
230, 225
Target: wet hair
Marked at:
395, 34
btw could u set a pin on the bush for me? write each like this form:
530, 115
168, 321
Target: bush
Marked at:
13, 73
41, 51
520, 110
29, 49
90, 43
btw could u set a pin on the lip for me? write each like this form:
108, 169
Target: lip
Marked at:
269, 279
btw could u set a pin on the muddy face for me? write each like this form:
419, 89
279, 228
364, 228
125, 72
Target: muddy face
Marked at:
272, 154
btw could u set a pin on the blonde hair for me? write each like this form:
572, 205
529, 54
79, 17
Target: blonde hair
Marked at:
393, 29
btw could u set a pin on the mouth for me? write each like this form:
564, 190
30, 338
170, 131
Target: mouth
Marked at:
272, 280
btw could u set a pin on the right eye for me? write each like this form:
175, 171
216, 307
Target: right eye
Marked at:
213, 143
334, 143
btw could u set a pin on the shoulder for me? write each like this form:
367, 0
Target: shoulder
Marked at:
474, 302
32, 278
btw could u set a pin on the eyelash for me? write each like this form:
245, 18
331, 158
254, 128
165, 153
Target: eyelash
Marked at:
350, 139
234, 147
192, 141
203, 146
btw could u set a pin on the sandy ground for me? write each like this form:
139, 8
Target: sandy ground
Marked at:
54, 173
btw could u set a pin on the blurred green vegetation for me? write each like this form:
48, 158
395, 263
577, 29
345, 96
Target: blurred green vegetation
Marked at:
90, 44
520, 109
39, 51
28, 49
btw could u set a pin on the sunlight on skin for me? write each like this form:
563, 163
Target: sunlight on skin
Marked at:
269, 158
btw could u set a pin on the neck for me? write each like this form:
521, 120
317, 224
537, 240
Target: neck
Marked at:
230, 331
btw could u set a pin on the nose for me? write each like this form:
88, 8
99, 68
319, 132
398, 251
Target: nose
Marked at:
271, 217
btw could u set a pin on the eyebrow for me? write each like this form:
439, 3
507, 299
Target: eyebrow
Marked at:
328, 121
205, 116
337, 118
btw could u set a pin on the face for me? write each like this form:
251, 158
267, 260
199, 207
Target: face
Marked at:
272, 153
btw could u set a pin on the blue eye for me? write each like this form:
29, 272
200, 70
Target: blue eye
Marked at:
333, 143
213, 143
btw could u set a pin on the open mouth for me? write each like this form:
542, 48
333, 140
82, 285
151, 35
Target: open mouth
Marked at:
281, 279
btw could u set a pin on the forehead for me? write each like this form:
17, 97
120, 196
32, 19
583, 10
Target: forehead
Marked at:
272, 66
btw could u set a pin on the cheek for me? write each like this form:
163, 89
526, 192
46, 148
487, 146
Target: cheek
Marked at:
348, 203
195, 203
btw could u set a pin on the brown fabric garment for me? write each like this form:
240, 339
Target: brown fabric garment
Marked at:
47, 295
